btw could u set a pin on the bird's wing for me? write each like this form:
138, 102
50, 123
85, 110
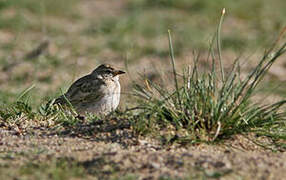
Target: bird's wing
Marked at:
84, 89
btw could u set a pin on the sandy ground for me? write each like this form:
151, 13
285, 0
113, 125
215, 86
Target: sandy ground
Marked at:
113, 151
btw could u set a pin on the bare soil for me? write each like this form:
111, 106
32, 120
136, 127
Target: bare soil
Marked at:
110, 150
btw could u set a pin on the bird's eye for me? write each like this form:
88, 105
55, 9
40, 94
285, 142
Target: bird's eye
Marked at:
108, 71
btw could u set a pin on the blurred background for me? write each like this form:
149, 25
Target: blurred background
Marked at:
48, 44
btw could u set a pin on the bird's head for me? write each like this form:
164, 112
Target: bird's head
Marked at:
106, 70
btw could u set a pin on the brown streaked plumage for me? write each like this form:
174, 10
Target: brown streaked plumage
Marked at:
97, 92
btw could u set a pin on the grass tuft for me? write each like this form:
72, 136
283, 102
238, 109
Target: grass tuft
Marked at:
211, 107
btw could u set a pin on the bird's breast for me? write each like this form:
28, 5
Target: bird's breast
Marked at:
109, 100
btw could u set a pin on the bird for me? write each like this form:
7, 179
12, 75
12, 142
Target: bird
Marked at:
96, 93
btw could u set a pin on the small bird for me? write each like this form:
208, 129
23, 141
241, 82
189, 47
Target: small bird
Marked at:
96, 93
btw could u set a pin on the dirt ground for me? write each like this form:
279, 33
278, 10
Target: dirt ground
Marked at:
113, 151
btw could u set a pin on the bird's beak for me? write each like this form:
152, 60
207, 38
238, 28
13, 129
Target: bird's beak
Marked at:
118, 72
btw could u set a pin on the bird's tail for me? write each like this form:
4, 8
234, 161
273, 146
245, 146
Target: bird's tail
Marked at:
60, 100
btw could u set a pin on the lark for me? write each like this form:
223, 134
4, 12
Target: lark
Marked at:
97, 93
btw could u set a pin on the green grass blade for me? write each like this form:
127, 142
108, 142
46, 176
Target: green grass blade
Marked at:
219, 44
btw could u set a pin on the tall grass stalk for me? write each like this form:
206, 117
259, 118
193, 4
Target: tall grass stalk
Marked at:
173, 66
219, 43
